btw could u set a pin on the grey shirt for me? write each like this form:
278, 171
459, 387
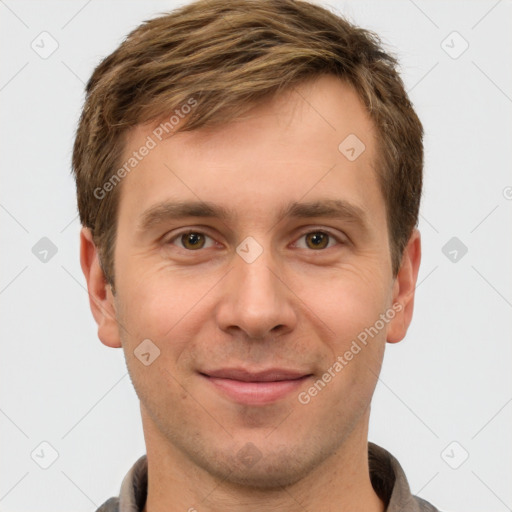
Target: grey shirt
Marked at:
386, 474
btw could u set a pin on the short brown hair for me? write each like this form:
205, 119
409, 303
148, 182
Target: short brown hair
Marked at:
228, 56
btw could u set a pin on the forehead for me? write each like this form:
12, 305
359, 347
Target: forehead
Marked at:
314, 141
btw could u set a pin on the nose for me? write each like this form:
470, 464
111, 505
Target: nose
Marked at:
256, 300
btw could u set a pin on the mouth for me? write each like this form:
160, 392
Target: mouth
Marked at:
255, 388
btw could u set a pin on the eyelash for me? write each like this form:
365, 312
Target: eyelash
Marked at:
303, 234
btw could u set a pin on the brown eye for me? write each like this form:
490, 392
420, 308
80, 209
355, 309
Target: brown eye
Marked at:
317, 240
193, 240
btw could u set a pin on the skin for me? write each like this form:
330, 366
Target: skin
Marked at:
296, 306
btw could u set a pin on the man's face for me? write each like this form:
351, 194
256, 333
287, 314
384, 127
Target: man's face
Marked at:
246, 327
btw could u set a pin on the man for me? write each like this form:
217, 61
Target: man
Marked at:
249, 176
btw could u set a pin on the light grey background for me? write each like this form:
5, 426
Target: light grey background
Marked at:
449, 381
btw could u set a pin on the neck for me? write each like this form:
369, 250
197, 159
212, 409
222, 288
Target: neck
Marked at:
341, 481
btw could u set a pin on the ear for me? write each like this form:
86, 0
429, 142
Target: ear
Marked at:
404, 289
101, 299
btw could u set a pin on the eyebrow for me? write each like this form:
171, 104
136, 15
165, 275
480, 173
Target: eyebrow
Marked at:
327, 208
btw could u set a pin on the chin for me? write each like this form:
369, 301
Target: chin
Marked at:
266, 471
264, 478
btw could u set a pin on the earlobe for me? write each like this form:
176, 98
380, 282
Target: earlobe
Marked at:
101, 299
404, 289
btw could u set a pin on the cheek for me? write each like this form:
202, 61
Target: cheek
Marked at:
158, 306
150, 310
354, 347
347, 300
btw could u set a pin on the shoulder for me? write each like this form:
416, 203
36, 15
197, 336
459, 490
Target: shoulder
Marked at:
390, 483
111, 505
425, 506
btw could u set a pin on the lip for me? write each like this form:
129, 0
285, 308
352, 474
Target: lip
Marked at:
255, 388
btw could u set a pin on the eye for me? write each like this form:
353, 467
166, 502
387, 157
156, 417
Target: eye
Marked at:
192, 240
317, 240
